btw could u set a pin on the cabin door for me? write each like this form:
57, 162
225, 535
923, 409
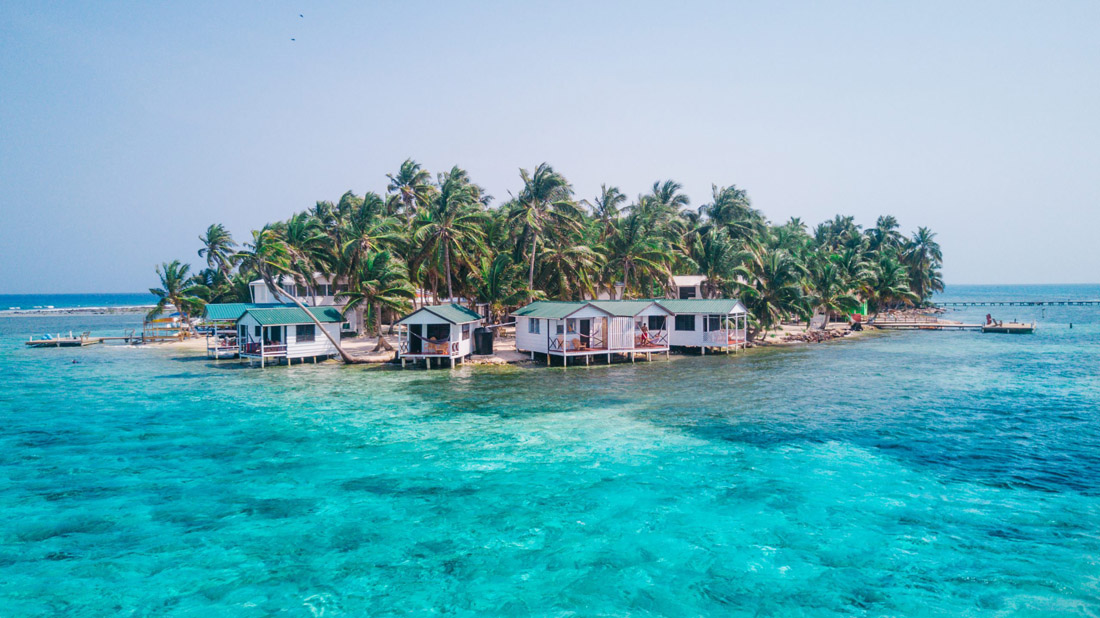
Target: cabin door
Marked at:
585, 328
273, 334
415, 333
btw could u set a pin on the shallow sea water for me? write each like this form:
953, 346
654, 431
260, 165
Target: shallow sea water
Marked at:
907, 474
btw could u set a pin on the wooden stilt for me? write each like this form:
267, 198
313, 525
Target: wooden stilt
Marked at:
585, 360
452, 362
402, 362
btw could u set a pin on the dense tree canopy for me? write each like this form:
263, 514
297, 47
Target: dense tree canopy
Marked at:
446, 238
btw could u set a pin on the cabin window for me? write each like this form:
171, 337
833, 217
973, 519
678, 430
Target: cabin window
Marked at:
304, 332
257, 331
713, 323
291, 288
465, 332
560, 329
532, 326
685, 322
656, 322
687, 293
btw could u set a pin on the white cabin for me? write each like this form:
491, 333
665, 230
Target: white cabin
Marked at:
707, 323
437, 331
591, 328
321, 293
274, 334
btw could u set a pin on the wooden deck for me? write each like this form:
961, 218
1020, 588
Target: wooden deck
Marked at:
64, 342
1011, 328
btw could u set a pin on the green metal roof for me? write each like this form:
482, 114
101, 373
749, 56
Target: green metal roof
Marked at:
551, 309
453, 313
622, 308
700, 305
283, 314
556, 309
226, 312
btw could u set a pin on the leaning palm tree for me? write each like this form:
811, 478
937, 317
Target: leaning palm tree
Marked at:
546, 200
269, 256
380, 282
176, 289
217, 248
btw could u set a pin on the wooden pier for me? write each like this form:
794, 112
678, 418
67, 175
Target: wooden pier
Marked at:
929, 324
1021, 303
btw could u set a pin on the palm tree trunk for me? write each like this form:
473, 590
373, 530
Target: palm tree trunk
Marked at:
531, 272
382, 343
447, 267
344, 356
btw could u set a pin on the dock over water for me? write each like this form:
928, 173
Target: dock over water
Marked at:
1020, 303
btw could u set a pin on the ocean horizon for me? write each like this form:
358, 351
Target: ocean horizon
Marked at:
902, 473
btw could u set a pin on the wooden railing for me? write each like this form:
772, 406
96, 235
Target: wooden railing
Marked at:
267, 349
576, 342
430, 348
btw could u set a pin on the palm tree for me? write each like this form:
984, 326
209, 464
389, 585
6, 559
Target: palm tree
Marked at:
545, 200
642, 260
732, 209
884, 236
453, 227
890, 286
568, 272
411, 186
217, 248
829, 292
922, 256
606, 209
775, 289
717, 258
498, 283
176, 289
379, 282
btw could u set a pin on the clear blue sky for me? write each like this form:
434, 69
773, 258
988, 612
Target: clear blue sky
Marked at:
127, 128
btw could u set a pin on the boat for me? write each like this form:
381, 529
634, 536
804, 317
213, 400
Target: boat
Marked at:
52, 341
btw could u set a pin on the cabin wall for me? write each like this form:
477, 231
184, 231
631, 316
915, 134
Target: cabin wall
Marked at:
320, 346
531, 342
686, 337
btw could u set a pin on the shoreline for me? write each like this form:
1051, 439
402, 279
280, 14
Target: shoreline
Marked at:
505, 353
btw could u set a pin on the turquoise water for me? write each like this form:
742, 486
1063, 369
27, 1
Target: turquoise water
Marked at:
906, 474
70, 301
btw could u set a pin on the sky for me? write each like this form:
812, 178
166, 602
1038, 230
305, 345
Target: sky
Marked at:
127, 128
